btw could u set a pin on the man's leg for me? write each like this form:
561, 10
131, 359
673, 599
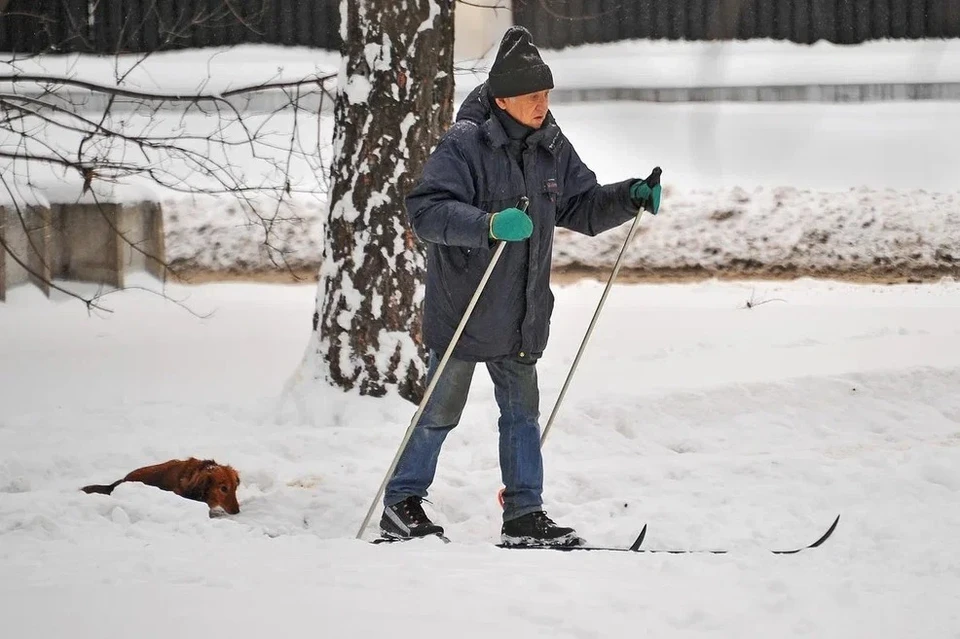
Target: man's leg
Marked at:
418, 463
521, 465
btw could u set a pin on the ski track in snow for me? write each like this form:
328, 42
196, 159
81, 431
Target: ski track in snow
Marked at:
719, 426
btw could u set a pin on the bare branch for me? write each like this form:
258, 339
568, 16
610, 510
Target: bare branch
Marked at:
752, 302
200, 142
499, 5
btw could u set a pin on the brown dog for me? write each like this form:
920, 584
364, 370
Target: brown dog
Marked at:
197, 479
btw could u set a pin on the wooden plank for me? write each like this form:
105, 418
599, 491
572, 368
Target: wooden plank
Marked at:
802, 17
305, 12
951, 20
591, 22
559, 36
863, 27
661, 19
149, 25
38, 228
196, 23
3, 254
825, 20
333, 30
239, 30
24, 27
880, 19
846, 21
695, 28
163, 10
678, 20
784, 19
288, 35
767, 19
116, 26
575, 29
253, 15
92, 247
917, 17
156, 240
114, 248
132, 34
270, 22
936, 18
899, 18
747, 19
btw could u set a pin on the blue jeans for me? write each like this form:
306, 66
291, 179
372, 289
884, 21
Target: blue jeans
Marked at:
521, 466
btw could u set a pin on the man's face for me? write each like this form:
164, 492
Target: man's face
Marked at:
529, 109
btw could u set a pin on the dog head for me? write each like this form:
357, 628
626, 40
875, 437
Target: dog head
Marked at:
217, 486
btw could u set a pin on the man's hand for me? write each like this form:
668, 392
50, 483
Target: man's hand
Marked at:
646, 193
510, 225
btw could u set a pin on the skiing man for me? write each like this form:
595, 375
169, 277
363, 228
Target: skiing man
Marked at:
504, 145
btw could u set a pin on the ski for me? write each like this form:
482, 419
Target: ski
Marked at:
399, 540
635, 547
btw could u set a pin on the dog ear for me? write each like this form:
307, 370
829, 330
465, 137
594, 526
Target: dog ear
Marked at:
198, 486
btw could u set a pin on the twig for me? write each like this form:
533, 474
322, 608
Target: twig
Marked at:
751, 303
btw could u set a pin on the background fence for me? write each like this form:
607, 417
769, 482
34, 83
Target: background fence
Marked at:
559, 23
110, 26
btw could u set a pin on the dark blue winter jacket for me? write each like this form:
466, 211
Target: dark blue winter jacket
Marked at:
470, 176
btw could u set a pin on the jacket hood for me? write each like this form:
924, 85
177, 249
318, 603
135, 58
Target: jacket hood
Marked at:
476, 108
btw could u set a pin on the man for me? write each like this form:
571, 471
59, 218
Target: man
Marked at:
505, 145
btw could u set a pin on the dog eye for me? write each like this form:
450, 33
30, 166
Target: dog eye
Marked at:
223, 489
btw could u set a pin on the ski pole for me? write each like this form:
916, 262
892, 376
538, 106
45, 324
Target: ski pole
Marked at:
596, 314
524, 202
593, 322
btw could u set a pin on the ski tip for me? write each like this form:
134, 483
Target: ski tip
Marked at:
827, 534
815, 544
635, 546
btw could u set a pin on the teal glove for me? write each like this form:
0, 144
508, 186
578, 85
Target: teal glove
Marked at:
646, 193
510, 225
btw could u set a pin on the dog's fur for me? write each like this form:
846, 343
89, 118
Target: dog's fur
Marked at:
197, 479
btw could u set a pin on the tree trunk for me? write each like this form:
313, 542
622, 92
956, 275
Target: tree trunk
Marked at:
395, 97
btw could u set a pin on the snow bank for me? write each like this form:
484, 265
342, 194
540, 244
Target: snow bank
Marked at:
861, 231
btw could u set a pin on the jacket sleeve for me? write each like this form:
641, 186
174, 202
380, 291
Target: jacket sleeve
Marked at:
439, 206
586, 206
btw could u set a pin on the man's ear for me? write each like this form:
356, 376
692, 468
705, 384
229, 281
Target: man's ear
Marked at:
501, 103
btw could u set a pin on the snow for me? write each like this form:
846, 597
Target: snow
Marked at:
737, 415
718, 425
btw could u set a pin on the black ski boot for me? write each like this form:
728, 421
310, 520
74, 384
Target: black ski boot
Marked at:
407, 520
536, 529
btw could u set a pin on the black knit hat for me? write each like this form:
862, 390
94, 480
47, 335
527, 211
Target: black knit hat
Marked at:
518, 68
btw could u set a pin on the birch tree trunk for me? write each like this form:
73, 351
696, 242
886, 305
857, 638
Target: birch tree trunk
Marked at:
394, 99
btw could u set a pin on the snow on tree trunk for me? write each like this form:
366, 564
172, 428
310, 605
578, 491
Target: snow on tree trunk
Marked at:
394, 99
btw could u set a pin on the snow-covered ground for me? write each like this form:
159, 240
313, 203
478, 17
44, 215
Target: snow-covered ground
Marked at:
718, 425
